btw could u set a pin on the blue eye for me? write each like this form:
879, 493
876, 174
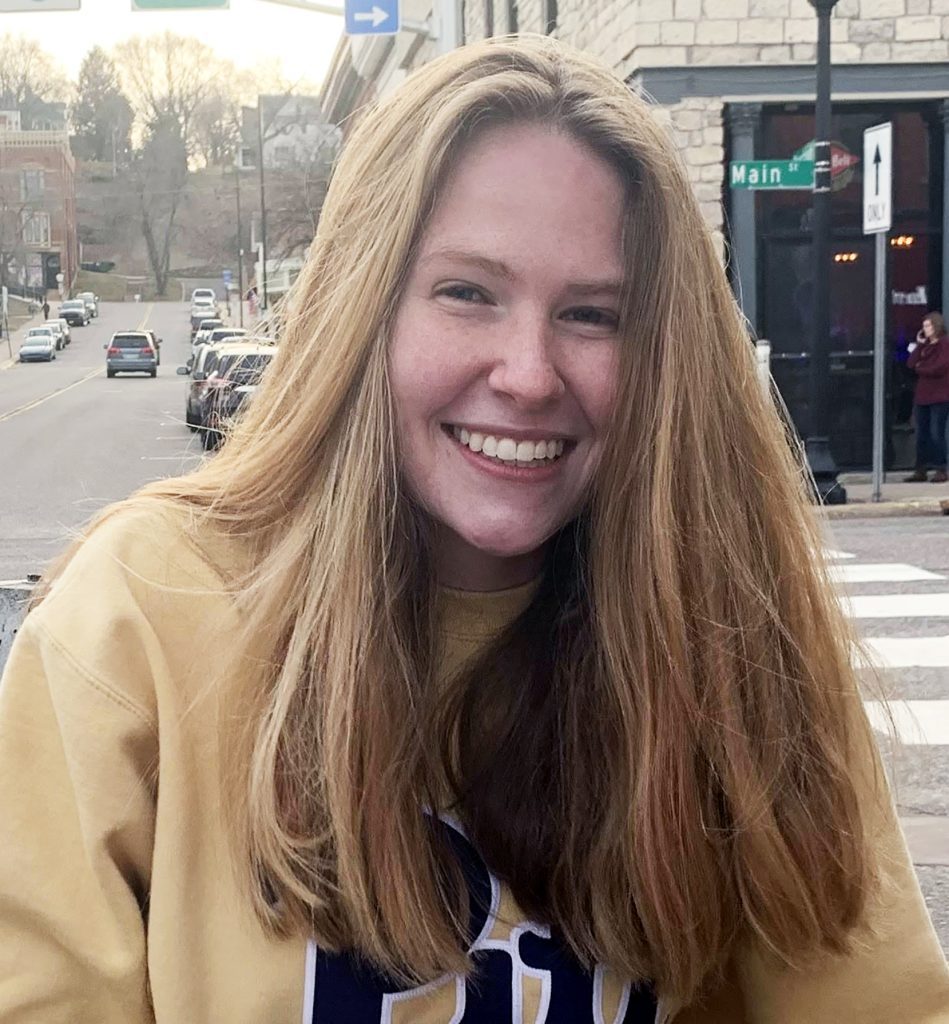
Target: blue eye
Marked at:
592, 316
462, 292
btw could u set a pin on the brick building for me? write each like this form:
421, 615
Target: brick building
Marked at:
735, 79
38, 233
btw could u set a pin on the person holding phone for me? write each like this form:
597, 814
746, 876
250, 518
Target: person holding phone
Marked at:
929, 357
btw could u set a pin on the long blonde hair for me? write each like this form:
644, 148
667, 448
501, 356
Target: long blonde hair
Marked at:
681, 686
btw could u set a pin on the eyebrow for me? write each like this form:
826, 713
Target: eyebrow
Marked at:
500, 269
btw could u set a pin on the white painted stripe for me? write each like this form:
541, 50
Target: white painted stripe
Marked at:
833, 555
309, 982
918, 722
881, 572
895, 606
905, 652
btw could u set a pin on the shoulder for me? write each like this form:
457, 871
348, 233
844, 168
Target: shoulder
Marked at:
143, 599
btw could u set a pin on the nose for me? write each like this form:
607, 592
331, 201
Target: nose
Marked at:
525, 368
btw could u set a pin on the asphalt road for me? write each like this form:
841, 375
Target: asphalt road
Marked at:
71, 440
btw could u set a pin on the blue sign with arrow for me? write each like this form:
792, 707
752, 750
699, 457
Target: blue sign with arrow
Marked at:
372, 17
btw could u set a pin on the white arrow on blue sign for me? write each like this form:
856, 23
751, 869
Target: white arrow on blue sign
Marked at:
372, 17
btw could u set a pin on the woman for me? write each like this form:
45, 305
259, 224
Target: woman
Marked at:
929, 357
489, 672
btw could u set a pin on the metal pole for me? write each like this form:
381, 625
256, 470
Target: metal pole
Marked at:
240, 250
817, 445
450, 27
879, 366
263, 207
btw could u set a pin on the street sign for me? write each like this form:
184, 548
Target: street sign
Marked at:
226, 276
372, 17
878, 178
39, 5
177, 5
772, 174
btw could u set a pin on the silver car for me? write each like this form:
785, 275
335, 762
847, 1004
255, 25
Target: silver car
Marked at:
56, 328
39, 346
131, 352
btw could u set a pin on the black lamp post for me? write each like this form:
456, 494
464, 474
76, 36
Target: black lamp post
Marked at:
817, 444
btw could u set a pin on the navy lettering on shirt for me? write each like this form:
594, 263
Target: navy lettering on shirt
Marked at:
523, 974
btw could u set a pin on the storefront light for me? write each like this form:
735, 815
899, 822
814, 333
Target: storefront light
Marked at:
903, 241
845, 257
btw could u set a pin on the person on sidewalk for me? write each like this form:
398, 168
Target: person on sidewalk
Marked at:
45, 309
929, 357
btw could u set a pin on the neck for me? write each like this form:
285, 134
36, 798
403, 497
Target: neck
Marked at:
464, 567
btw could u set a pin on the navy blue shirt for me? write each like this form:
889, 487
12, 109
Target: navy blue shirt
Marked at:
523, 974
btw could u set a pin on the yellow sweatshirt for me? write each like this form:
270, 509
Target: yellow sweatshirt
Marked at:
118, 904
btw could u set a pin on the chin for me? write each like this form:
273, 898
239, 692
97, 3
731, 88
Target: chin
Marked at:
500, 541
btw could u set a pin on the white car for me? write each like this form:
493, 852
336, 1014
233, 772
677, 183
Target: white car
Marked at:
39, 346
58, 333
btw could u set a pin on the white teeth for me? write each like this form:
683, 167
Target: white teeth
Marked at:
507, 449
523, 453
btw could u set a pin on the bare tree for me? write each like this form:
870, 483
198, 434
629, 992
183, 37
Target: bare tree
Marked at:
168, 78
28, 73
161, 174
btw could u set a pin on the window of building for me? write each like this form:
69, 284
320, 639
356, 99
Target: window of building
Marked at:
283, 155
488, 18
550, 16
35, 228
512, 19
32, 184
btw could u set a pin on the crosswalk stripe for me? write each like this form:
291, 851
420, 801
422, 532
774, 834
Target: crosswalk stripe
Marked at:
918, 722
895, 606
881, 572
904, 652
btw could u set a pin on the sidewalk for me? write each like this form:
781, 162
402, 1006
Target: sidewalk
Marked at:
19, 324
897, 498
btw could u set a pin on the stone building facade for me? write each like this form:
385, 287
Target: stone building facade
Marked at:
735, 80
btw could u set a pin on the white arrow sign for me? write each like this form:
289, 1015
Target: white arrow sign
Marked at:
877, 178
377, 16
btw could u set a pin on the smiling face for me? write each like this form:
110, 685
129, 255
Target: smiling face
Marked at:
504, 352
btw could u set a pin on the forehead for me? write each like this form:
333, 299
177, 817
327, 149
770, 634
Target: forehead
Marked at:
531, 188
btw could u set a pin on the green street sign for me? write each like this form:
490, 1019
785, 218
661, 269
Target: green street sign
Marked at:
180, 5
772, 174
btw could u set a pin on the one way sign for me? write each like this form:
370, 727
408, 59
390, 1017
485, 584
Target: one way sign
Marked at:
877, 178
372, 17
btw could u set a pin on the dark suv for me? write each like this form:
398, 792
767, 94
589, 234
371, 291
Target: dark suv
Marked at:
233, 375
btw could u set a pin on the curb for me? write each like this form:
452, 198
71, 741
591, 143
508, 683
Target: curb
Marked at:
888, 509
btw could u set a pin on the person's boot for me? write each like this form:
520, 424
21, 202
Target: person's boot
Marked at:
939, 477
918, 476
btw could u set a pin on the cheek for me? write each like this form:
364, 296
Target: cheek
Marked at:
595, 384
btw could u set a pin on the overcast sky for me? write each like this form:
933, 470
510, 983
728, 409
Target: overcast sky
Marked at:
249, 32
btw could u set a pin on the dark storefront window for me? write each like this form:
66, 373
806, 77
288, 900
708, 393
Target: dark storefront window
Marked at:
787, 272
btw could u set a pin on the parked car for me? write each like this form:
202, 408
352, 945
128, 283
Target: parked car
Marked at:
195, 368
64, 323
131, 352
203, 294
75, 312
39, 345
233, 375
205, 328
201, 311
219, 334
92, 302
58, 333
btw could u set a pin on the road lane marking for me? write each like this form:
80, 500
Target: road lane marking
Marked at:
895, 606
904, 652
833, 555
52, 394
918, 722
145, 316
169, 458
881, 572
